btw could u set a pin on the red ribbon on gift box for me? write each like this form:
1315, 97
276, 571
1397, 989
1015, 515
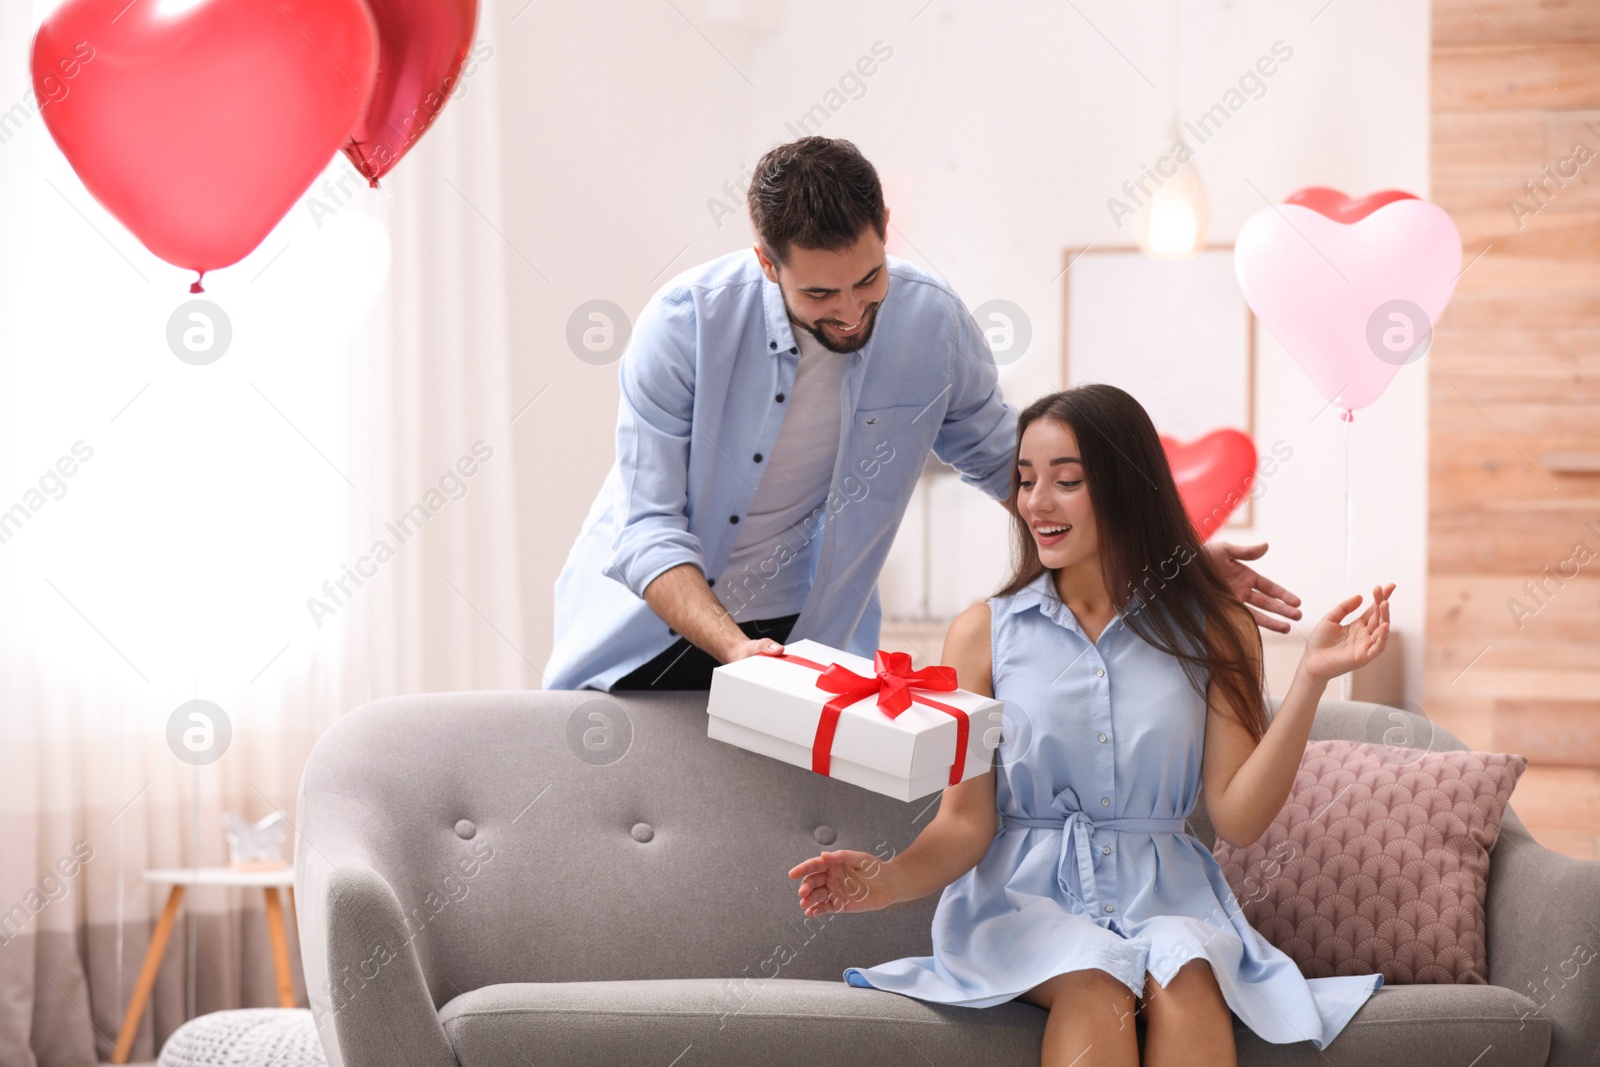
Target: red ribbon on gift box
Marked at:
893, 681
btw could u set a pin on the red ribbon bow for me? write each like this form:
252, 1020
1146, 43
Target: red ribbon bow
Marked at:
893, 681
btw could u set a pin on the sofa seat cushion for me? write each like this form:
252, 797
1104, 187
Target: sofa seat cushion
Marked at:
1481, 1025
692, 1022
729, 1022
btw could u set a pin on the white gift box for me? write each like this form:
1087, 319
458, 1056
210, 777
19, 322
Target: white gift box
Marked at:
770, 706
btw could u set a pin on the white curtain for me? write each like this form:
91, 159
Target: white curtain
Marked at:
183, 532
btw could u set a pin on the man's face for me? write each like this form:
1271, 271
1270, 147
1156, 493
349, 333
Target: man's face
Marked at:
833, 296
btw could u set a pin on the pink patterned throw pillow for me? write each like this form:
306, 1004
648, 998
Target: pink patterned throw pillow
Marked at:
1378, 862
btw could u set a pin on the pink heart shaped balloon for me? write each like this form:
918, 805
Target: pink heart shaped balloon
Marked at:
1352, 302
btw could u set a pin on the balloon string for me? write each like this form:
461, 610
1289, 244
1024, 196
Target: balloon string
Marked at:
1348, 680
370, 351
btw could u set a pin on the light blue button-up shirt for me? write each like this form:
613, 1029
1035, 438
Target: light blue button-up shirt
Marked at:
704, 379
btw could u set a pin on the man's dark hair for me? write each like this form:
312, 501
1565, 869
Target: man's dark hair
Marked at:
818, 193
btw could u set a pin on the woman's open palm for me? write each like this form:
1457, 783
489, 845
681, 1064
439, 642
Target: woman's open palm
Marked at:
1335, 648
842, 881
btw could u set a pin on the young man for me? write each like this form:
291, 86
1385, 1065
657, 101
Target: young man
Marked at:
778, 406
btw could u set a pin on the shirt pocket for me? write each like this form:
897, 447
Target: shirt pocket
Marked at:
888, 448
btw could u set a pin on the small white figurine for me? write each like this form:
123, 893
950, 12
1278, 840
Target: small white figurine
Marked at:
258, 846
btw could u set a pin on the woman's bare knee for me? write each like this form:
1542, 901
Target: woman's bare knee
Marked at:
1083, 989
1192, 992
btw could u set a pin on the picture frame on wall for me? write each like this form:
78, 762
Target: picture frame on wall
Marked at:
1175, 333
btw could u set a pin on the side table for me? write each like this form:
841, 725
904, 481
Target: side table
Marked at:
181, 878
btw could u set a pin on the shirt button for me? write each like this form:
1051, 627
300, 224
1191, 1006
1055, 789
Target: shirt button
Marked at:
733, 518
758, 457
772, 344
1110, 908
780, 398
713, 581
792, 351
1105, 849
1105, 802
1099, 672
1102, 737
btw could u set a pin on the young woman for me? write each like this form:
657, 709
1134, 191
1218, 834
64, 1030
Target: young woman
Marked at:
1069, 878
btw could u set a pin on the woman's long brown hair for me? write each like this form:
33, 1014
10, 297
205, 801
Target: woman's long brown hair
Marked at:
1148, 546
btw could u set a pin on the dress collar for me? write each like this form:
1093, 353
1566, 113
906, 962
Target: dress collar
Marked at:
1041, 593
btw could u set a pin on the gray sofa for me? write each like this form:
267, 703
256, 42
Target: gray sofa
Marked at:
545, 879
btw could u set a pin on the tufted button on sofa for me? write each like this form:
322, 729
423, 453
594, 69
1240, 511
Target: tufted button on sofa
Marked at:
572, 878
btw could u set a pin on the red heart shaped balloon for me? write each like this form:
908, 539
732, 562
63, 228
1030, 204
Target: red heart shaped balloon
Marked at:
1214, 475
198, 123
421, 47
1340, 208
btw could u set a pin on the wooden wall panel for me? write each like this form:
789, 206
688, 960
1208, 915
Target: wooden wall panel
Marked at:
1506, 76
1514, 381
1554, 731
1492, 22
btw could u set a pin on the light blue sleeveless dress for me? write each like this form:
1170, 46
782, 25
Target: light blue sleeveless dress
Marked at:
1092, 866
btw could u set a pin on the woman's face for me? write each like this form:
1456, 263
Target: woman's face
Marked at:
1053, 497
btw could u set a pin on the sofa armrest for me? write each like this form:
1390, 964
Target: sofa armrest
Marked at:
365, 984
1543, 915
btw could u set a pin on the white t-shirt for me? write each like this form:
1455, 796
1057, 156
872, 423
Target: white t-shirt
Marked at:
769, 572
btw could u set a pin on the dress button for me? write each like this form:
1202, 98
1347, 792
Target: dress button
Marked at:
1099, 672
1105, 802
1105, 850
1102, 737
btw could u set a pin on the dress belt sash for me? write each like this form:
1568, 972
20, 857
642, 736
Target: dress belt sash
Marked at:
1075, 827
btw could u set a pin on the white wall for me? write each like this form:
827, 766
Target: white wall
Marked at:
620, 121
1000, 131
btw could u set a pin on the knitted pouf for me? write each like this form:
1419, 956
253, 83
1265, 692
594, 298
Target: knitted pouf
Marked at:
247, 1037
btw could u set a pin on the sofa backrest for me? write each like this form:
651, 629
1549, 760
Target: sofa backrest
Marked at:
581, 836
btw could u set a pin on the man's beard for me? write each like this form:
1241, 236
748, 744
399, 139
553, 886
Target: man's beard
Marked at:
850, 344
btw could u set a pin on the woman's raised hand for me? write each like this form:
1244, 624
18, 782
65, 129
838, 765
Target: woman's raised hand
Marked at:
843, 881
1335, 648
